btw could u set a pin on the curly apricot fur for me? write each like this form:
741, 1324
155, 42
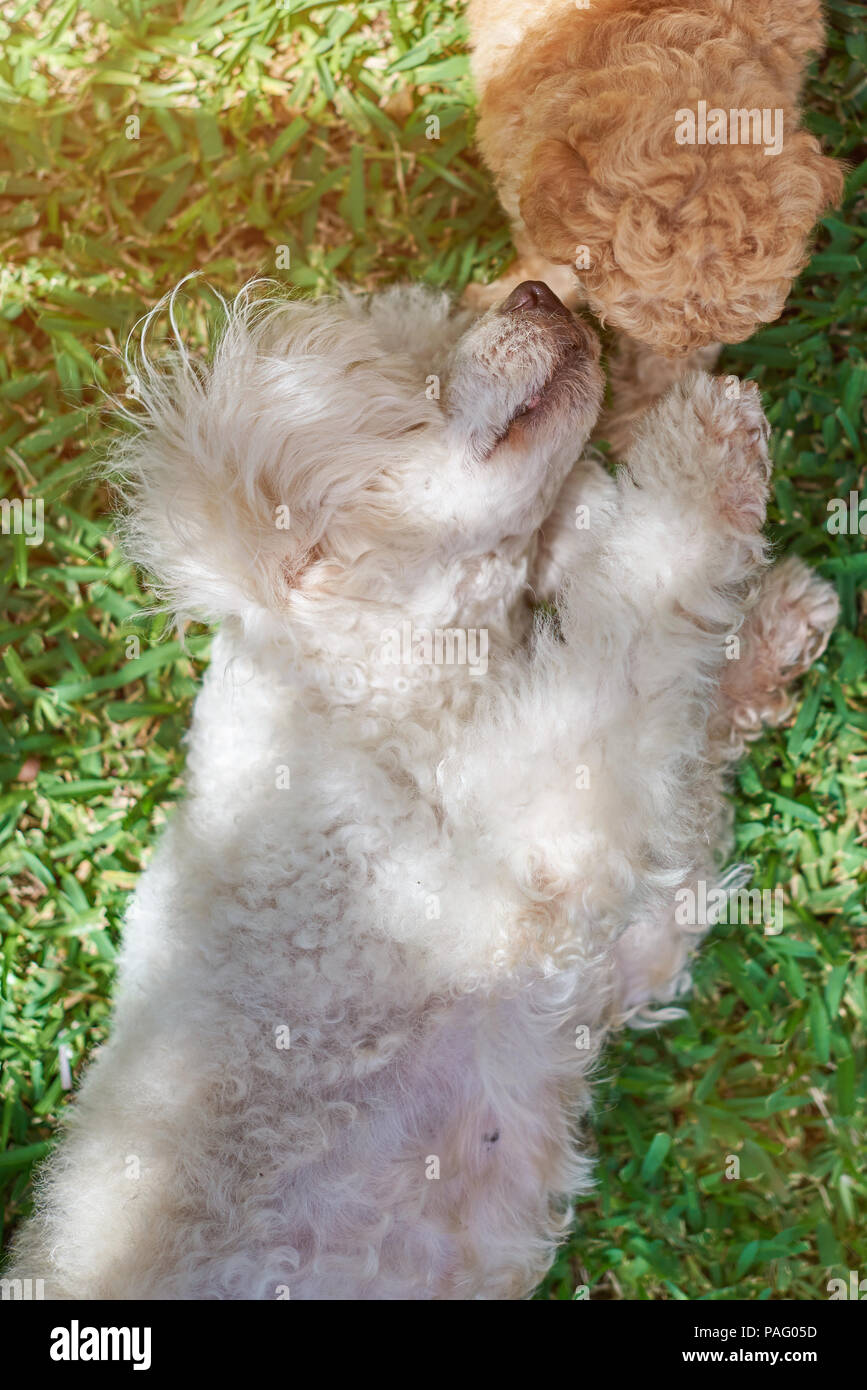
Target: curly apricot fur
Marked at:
687, 244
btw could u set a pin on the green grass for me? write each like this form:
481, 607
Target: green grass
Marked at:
261, 129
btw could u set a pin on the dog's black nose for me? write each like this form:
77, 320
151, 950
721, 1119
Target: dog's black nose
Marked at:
533, 294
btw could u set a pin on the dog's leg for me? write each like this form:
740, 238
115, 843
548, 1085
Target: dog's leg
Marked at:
685, 546
677, 566
585, 501
639, 378
684, 542
607, 797
786, 630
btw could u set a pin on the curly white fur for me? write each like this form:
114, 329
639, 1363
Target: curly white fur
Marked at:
462, 872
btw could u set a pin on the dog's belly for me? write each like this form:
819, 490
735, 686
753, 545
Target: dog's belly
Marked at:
445, 1178
312, 1087
436, 1176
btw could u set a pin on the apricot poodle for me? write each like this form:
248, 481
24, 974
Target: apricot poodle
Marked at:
654, 149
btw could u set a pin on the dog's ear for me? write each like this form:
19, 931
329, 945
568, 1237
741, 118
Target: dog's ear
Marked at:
234, 468
213, 541
209, 510
554, 203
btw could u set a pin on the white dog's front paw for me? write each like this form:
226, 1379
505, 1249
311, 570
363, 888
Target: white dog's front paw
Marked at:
707, 443
737, 430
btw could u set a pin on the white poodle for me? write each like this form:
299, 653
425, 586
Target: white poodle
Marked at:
368, 974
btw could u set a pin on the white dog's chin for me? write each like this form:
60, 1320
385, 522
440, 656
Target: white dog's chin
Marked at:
526, 377
549, 403
375, 452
